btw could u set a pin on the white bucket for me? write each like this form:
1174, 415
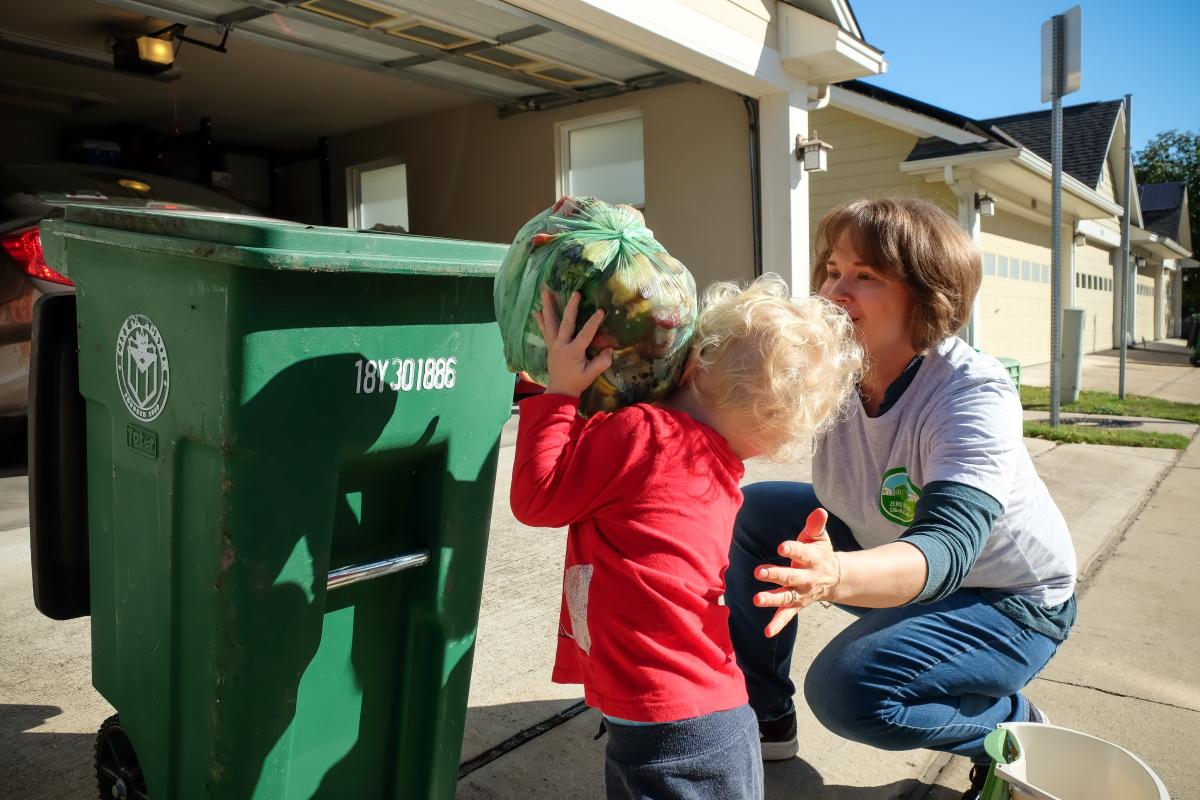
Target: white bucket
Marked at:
1061, 764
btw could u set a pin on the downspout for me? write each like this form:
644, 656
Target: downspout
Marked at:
756, 223
822, 98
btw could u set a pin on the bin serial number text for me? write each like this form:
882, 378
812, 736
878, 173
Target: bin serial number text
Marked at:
404, 374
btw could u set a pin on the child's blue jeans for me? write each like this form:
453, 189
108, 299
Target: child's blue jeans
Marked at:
938, 675
713, 757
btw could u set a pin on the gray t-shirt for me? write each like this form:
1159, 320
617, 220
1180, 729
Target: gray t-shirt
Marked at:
959, 420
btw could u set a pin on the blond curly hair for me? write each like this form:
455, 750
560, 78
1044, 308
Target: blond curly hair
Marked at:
783, 368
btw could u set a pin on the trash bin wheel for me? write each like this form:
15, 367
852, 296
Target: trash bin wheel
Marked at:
117, 770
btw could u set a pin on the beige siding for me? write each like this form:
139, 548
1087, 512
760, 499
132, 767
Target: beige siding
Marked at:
1145, 308
1107, 186
474, 176
1170, 318
1014, 301
1094, 288
865, 162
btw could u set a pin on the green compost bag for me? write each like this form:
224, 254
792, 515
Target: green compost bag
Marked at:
607, 254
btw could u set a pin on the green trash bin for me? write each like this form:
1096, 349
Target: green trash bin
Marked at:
1013, 366
292, 436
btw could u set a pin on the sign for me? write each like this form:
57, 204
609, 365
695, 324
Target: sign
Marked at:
1072, 72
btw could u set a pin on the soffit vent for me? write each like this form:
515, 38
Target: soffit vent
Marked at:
356, 12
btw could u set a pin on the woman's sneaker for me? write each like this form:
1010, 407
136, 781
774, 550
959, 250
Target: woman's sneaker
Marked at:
978, 777
778, 738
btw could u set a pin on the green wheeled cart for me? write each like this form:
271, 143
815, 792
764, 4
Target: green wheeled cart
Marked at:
291, 441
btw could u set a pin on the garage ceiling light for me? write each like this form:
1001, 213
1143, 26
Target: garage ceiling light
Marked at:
146, 54
503, 57
361, 14
563, 75
431, 35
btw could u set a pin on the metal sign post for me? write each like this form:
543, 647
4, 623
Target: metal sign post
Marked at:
1061, 75
1125, 250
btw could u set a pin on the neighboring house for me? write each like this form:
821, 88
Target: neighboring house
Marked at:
885, 143
1165, 213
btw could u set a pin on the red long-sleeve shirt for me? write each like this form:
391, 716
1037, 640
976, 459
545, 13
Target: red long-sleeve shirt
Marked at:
649, 496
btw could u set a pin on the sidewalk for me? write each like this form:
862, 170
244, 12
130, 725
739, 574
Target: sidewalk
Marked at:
1127, 674
1154, 369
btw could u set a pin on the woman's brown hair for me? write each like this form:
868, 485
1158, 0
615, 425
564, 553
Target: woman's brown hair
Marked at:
913, 241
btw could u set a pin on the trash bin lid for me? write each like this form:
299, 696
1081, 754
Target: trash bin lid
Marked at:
268, 244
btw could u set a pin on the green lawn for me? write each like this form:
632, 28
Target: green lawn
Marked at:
1037, 398
1085, 434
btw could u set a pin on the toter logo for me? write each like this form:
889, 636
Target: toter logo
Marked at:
898, 496
143, 374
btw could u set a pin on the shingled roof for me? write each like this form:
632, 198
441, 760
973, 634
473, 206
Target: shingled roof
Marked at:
1162, 206
1087, 131
916, 106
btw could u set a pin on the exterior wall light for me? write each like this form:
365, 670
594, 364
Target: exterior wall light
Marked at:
985, 205
813, 152
1080, 240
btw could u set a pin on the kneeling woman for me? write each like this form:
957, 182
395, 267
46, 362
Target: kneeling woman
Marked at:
941, 537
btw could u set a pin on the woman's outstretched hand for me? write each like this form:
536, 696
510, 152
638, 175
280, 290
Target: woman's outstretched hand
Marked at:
814, 574
567, 362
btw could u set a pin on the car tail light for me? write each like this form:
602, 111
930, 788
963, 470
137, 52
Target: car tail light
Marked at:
26, 249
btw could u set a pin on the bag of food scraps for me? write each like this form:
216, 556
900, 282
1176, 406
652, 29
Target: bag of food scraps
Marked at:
607, 254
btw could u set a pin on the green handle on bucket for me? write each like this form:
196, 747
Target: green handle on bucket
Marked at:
1002, 749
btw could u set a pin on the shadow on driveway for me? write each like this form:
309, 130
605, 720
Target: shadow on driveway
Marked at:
44, 766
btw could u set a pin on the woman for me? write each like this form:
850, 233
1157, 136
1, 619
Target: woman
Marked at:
941, 537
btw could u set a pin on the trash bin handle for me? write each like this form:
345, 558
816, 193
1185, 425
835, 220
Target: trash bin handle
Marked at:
357, 573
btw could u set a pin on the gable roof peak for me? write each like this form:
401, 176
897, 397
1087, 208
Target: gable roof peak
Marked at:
1087, 134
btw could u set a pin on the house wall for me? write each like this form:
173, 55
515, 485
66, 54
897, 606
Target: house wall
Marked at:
1014, 302
1145, 306
299, 195
1094, 287
1171, 319
1107, 187
474, 176
865, 162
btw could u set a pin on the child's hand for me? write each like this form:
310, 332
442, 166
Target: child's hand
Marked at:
571, 371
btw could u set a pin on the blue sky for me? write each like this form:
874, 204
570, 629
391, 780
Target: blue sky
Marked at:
982, 58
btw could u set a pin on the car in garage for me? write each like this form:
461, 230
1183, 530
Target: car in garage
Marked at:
30, 193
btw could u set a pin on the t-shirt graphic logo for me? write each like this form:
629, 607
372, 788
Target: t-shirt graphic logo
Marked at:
898, 496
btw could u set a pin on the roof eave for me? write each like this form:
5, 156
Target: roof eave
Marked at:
1024, 158
1161, 246
902, 119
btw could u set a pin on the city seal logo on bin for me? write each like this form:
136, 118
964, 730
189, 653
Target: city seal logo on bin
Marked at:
898, 496
143, 374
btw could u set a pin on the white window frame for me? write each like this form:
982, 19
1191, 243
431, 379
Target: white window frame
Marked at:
354, 188
564, 144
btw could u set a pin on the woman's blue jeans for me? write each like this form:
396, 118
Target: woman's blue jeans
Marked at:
939, 675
